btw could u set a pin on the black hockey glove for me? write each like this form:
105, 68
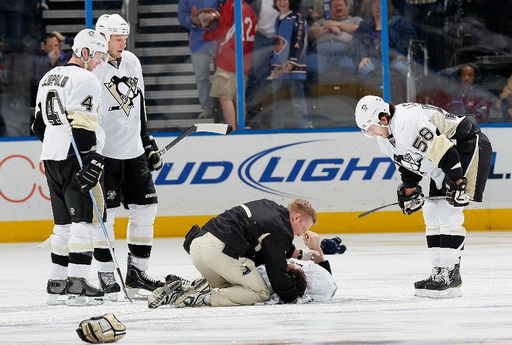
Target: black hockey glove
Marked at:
332, 246
151, 150
101, 329
91, 171
412, 203
456, 194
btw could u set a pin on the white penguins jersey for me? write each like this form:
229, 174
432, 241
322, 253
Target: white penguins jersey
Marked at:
419, 137
67, 92
320, 283
122, 87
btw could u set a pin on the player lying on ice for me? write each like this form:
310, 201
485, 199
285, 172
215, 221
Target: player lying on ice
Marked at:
228, 249
313, 279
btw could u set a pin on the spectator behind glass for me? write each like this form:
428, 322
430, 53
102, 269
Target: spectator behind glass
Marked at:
50, 56
367, 41
201, 51
331, 39
224, 86
289, 63
506, 101
11, 16
470, 99
262, 55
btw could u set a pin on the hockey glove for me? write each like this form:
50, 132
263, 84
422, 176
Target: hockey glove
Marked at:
412, 203
91, 171
101, 329
151, 150
332, 246
456, 194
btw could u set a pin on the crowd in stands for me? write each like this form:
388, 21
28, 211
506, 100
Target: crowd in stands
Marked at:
298, 47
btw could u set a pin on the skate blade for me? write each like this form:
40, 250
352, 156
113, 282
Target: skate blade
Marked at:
56, 299
448, 293
111, 297
84, 301
157, 297
420, 292
139, 294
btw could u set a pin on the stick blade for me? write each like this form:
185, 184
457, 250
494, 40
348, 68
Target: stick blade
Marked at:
219, 128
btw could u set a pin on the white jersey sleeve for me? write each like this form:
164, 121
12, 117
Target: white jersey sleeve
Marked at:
67, 92
320, 283
122, 87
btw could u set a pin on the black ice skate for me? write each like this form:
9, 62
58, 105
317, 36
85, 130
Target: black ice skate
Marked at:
138, 284
446, 285
420, 286
109, 285
165, 294
55, 289
81, 292
193, 297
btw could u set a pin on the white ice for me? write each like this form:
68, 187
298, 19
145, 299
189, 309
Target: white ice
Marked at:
374, 303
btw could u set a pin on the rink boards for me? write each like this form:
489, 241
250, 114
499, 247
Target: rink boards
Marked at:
341, 172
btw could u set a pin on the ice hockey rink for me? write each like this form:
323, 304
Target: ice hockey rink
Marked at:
374, 303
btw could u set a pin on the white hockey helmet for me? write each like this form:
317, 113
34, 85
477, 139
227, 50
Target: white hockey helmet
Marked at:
112, 24
93, 41
367, 112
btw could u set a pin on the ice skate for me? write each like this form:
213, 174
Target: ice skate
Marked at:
194, 296
138, 284
187, 284
420, 286
164, 294
55, 289
446, 284
81, 292
109, 285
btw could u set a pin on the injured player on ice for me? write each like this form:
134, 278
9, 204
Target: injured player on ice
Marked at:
312, 277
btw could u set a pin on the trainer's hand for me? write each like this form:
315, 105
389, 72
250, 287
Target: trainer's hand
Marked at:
410, 200
90, 174
310, 255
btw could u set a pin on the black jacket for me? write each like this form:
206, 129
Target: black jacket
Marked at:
265, 237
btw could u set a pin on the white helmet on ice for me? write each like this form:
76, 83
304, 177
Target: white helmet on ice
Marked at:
91, 40
112, 24
367, 112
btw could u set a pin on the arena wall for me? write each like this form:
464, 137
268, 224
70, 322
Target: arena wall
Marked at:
341, 172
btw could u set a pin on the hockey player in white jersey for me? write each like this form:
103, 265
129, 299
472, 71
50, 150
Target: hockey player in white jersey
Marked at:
130, 156
427, 141
67, 102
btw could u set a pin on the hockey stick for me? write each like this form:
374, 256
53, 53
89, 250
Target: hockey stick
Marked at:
396, 203
219, 128
100, 218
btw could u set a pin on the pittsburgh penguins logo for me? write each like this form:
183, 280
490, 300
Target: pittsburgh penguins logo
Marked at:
408, 162
124, 90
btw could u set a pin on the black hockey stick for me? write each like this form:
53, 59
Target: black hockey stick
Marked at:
396, 203
219, 128
99, 214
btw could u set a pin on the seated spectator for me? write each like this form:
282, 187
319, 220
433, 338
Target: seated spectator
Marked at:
367, 41
470, 99
288, 67
331, 38
51, 55
506, 101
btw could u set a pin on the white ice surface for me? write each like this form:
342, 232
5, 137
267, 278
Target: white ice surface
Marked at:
374, 303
